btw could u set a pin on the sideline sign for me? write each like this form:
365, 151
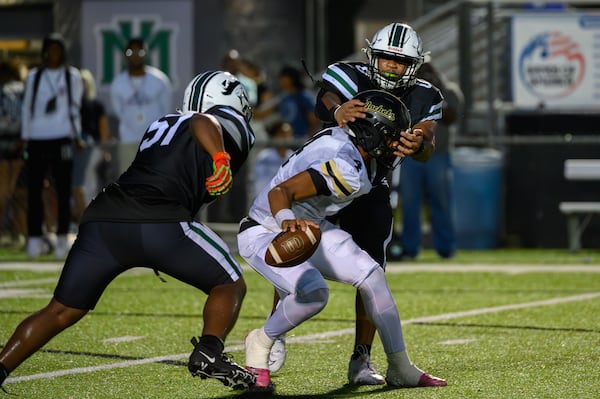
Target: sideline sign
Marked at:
556, 61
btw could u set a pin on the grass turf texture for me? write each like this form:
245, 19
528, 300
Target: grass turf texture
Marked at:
550, 351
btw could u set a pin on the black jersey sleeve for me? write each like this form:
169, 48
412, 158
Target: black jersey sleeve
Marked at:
238, 136
345, 79
424, 102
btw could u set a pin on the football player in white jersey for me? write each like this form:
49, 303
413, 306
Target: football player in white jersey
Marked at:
146, 219
317, 181
394, 56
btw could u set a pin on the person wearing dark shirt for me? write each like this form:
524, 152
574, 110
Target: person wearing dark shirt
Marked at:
146, 219
297, 103
430, 183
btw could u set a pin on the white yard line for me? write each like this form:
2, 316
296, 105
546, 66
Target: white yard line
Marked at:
25, 283
32, 266
313, 337
126, 338
489, 268
23, 293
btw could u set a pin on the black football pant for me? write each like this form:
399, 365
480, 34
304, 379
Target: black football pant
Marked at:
369, 220
55, 156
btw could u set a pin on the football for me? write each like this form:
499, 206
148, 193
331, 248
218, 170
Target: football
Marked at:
292, 248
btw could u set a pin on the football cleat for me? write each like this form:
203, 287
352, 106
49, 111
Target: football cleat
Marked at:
361, 371
426, 380
277, 355
204, 363
3, 375
263, 382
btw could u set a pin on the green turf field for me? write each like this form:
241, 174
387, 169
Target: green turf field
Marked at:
495, 324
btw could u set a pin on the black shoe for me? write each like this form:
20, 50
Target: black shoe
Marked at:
206, 364
3, 375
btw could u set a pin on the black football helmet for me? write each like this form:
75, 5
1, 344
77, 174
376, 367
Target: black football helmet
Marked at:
386, 117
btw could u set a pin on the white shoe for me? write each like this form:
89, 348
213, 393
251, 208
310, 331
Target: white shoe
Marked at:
35, 247
361, 372
62, 247
277, 355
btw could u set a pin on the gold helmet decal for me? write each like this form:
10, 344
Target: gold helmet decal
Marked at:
387, 112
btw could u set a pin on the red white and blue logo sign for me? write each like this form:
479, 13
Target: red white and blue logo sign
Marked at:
551, 65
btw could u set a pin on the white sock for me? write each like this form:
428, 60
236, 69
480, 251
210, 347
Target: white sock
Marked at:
402, 370
258, 346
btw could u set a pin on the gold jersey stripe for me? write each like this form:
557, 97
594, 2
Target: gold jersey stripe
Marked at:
340, 185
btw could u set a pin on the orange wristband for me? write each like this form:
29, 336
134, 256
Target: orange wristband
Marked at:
220, 156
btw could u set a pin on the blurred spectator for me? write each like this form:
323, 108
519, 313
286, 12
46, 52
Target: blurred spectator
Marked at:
264, 110
51, 125
11, 146
297, 104
139, 95
431, 182
233, 63
270, 159
95, 133
264, 95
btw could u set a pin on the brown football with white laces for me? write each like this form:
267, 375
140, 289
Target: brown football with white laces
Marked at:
292, 248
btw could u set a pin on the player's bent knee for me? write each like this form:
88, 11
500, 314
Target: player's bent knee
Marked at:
65, 316
316, 299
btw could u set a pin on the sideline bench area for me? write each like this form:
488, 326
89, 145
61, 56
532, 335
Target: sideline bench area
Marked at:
579, 213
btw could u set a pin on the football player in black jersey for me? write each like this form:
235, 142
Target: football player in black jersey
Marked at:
394, 56
146, 218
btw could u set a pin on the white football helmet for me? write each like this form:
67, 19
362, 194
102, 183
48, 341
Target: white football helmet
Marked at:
216, 88
399, 42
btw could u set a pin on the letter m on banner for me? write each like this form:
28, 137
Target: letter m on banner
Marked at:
159, 38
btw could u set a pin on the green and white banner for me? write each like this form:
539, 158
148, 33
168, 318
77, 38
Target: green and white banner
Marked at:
165, 26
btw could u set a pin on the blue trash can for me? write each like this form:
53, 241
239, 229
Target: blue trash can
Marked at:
476, 196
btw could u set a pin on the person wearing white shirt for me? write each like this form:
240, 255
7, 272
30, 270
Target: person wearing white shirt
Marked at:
139, 95
51, 125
